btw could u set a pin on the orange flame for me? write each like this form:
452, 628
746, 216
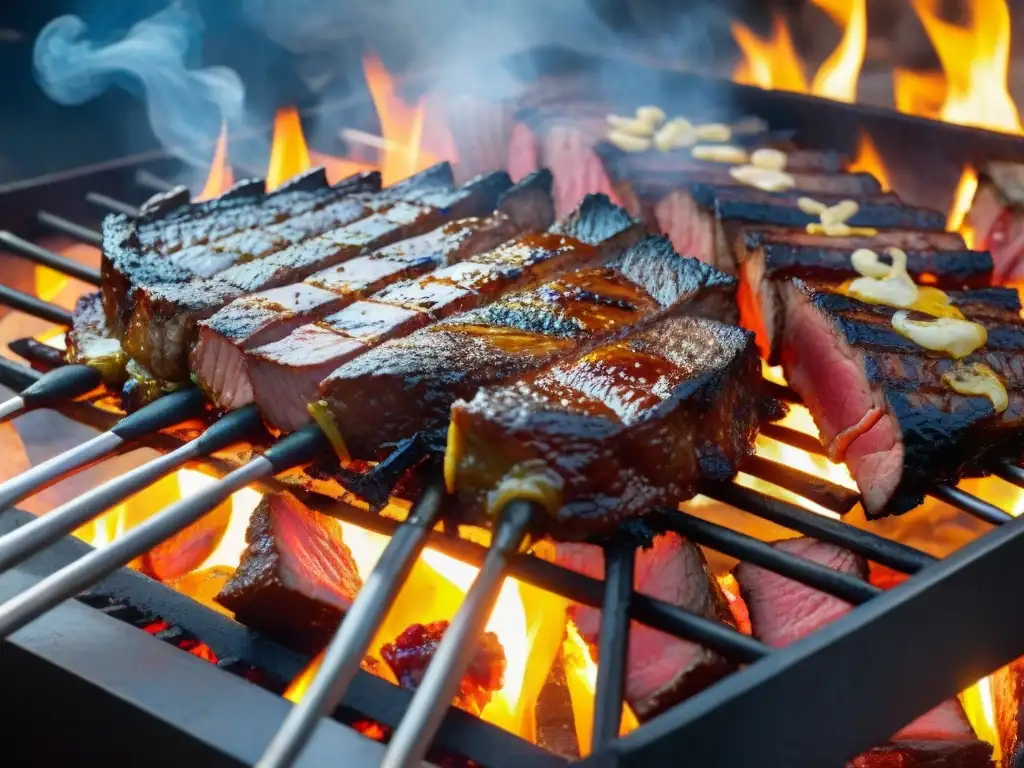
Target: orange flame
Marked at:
962, 199
775, 64
980, 709
976, 62
919, 93
289, 155
220, 177
838, 75
868, 160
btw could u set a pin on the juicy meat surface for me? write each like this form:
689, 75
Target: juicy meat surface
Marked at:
412, 382
286, 374
783, 611
660, 670
90, 342
879, 401
997, 217
615, 432
296, 577
162, 325
768, 256
219, 361
412, 651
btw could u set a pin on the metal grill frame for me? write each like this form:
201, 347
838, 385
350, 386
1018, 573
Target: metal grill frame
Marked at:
921, 658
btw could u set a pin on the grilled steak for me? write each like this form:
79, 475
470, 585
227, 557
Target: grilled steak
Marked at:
285, 374
162, 328
218, 360
878, 398
90, 342
612, 433
782, 611
411, 383
296, 577
173, 240
997, 218
661, 670
696, 218
412, 651
767, 256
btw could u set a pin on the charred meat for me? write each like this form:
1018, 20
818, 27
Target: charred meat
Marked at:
893, 409
769, 255
612, 433
285, 374
661, 670
413, 650
90, 342
997, 217
411, 383
783, 611
296, 577
218, 361
163, 320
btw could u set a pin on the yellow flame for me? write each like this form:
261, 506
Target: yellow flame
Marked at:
919, 92
289, 155
868, 160
980, 709
976, 62
770, 63
220, 178
962, 199
838, 75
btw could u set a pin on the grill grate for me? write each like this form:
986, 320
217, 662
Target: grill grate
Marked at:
784, 670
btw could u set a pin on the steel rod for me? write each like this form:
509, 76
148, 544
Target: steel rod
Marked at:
30, 305
111, 204
71, 229
441, 681
752, 550
169, 410
613, 642
890, 553
781, 392
793, 437
349, 646
1010, 472
16, 376
46, 258
972, 505
827, 494
43, 531
38, 353
57, 386
150, 180
83, 573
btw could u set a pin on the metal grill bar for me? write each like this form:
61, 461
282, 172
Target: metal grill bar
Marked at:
971, 504
55, 261
801, 440
1010, 472
613, 640
116, 206
30, 305
149, 180
822, 492
70, 228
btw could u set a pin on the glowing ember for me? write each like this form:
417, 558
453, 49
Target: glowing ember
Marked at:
220, 177
976, 61
868, 160
962, 199
289, 155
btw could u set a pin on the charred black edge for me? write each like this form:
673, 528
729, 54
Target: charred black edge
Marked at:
951, 268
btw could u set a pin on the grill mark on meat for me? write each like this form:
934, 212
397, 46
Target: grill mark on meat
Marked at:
263, 318
296, 577
412, 382
596, 231
660, 670
166, 354
783, 611
629, 426
845, 360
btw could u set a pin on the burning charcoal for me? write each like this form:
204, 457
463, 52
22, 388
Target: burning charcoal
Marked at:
411, 652
661, 670
188, 549
296, 578
783, 611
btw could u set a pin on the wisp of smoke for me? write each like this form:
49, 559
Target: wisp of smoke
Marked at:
186, 107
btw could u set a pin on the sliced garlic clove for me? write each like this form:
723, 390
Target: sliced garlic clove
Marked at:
866, 263
769, 159
674, 134
810, 206
630, 125
719, 153
627, 142
718, 132
653, 116
769, 180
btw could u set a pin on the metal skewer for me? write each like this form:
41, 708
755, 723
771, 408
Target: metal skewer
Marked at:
346, 651
169, 410
59, 385
432, 699
297, 448
41, 532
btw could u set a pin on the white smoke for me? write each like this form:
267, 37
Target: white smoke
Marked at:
186, 107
